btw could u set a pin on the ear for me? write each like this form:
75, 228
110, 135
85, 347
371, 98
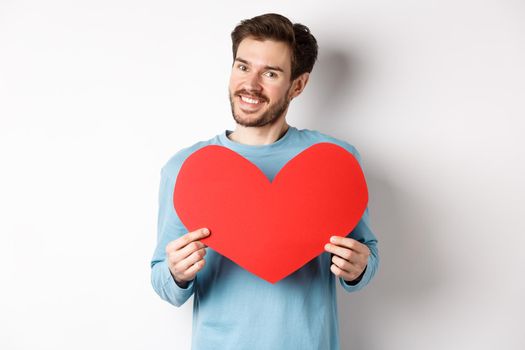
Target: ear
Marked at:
298, 85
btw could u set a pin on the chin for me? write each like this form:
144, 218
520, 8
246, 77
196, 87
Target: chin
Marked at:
242, 118
247, 122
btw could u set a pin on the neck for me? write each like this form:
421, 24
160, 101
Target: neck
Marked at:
262, 135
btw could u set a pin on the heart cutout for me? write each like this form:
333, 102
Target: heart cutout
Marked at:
271, 228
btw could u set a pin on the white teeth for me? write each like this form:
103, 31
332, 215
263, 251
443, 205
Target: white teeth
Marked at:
249, 100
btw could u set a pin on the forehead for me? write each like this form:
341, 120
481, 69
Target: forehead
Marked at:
265, 53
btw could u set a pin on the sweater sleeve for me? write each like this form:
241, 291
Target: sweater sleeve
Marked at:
169, 227
363, 233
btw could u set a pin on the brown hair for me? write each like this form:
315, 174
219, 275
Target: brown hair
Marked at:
279, 28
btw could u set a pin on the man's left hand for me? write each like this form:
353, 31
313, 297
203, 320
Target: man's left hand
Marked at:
350, 257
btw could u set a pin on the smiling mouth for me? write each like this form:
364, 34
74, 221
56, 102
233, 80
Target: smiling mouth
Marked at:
251, 100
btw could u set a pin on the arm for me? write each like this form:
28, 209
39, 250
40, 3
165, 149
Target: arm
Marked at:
169, 228
355, 257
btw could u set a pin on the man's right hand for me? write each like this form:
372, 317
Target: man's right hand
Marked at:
186, 256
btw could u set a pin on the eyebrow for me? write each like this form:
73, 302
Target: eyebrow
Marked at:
265, 67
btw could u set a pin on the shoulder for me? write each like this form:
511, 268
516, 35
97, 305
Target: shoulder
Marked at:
173, 164
314, 136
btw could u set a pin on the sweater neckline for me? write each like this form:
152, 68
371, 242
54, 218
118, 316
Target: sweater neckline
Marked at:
244, 148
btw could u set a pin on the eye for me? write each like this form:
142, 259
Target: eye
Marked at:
242, 67
271, 74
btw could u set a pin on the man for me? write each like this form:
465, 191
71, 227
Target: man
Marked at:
234, 309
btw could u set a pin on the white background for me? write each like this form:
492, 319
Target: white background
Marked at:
95, 96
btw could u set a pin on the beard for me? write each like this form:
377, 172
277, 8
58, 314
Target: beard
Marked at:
270, 116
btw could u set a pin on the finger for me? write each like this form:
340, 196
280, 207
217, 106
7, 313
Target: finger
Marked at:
196, 256
349, 243
187, 251
193, 269
342, 264
344, 253
340, 273
188, 238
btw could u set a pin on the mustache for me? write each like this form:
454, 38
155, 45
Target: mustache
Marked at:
251, 94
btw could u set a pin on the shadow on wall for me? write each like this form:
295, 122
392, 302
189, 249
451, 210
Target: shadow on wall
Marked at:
335, 75
402, 221
408, 272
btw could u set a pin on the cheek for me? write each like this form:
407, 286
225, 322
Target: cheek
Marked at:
276, 93
232, 84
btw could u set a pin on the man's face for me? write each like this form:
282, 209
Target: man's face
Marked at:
260, 82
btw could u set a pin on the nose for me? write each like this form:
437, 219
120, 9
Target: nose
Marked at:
252, 82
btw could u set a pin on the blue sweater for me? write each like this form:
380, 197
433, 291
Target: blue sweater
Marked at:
234, 309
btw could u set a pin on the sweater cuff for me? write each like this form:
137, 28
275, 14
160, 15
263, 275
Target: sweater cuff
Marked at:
363, 279
172, 288
358, 279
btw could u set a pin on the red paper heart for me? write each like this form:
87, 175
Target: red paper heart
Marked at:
271, 228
